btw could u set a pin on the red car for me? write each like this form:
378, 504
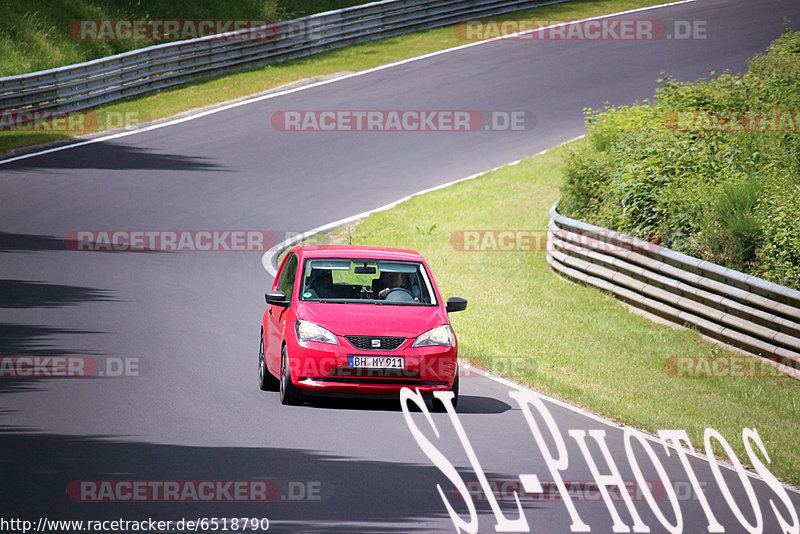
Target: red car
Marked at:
352, 319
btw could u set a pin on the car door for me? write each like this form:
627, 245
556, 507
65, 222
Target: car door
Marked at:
277, 314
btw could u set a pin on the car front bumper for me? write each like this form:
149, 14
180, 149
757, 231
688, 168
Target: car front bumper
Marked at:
324, 367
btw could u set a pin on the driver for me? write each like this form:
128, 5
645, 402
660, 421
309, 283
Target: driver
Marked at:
390, 281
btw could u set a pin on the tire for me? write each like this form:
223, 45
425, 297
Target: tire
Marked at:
455, 390
290, 394
266, 382
437, 406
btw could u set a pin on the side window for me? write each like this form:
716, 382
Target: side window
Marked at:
286, 282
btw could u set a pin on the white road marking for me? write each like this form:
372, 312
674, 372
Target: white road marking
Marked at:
317, 84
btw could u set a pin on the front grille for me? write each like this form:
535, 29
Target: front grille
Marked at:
370, 342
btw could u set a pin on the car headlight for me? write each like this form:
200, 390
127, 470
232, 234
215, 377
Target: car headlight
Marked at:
307, 331
441, 335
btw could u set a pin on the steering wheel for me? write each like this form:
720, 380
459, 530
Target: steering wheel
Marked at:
399, 294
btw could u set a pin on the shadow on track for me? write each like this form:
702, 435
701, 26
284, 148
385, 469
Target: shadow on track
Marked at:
29, 242
34, 340
467, 404
38, 243
349, 495
22, 294
112, 156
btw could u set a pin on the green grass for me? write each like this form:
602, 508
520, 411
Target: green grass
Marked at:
223, 88
34, 34
570, 341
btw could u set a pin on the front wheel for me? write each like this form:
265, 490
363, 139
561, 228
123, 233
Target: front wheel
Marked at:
266, 382
290, 394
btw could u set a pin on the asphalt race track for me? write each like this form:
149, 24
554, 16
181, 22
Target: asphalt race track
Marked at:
187, 407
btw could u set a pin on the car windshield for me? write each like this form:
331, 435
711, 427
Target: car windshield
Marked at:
367, 282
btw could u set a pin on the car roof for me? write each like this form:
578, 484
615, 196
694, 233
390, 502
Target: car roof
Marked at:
357, 251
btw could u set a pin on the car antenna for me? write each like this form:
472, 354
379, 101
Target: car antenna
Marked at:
349, 238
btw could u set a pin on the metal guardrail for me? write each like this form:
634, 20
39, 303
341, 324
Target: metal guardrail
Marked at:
743, 311
112, 78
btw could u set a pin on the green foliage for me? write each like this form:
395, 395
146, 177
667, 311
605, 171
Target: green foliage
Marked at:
692, 171
732, 228
587, 174
301, 8
610, 124
34, 36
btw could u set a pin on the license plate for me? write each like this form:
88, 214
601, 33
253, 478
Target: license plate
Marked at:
376, 362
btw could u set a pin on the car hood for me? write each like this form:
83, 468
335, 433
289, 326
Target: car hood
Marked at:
374, 320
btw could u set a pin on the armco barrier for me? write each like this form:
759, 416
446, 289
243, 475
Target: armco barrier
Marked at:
112, 78
743, 311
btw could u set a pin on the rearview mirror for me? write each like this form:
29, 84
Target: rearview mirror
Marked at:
455, 304
276, 298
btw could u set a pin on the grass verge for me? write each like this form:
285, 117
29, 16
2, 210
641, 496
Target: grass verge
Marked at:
573, 342
43, 34
355, 58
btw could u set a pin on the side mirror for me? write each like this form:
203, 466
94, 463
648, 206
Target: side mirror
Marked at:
455, 304
276, 298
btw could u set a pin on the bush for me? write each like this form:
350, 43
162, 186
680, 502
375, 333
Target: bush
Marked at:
678, 171
731, 229
587, 172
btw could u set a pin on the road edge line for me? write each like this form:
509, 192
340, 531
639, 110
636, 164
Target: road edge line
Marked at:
244, 101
